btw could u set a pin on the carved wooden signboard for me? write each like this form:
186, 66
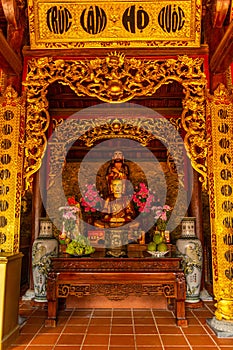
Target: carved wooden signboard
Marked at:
220, 114
77, 24
12, 115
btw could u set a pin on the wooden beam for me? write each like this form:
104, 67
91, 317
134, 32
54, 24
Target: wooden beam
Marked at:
11, 61
223, 55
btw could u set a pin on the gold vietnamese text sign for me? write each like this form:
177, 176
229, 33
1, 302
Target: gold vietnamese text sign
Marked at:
220, 158
115, 24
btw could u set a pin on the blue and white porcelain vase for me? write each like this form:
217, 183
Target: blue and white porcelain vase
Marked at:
189, 247
43, 248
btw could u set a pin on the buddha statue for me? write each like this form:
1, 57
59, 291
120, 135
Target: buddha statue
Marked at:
117, 212
118, 209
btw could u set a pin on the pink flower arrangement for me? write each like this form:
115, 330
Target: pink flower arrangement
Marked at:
69, 216
143, 199
91, 200
162, 214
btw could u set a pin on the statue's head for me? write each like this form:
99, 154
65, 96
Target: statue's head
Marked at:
118, 156
117, 187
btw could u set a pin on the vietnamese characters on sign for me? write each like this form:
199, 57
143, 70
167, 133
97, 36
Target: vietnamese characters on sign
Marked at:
107, 22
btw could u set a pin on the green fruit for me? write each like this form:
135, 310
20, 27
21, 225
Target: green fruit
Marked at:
157, 239
151, 246
162, 247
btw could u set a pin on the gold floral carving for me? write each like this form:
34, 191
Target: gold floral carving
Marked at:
220, 158
116, 79
141, 129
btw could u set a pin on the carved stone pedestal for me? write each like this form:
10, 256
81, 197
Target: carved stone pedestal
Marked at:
223, 329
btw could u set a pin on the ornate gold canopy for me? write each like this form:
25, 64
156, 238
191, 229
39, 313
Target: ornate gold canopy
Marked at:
116, 79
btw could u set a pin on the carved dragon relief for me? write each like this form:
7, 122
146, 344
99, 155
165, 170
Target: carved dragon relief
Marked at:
115, 79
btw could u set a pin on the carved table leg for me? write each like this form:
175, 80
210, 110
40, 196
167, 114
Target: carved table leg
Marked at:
180, 301
52, 301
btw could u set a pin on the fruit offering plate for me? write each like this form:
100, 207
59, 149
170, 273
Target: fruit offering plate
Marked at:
80, 256
157, 254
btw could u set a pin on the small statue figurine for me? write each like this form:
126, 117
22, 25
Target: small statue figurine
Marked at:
117, 169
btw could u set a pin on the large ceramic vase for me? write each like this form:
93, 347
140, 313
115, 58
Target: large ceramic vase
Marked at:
44, 247
189, 247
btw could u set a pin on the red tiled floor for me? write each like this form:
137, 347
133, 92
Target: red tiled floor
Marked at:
117, 329
123, 340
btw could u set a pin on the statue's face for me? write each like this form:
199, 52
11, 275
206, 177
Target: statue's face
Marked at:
117, 188
118, 155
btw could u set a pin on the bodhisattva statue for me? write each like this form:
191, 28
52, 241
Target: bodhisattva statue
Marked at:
118, 211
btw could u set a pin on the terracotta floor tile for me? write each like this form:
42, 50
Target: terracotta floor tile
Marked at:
23, 339
30, 328
165, 321
121, 347
90, 347
45, 339
223, 341
100, 321
181, 347
65, 313
164, 329
163, 313
203, 313
84, 329
78, 320
40, 313
193, 322
176, 340
98, 329
82, 313
61, 321
194, 330
125, 329
147, 329
143, 313
36, 320
67, 339
40, 347
102, 313
202, 340
50, 330
77, 329
96, 339
122, 313
26, 313
207, 347
144, 321
148, 340
155, 347
67, 347
123, 340
202, 320
122, 320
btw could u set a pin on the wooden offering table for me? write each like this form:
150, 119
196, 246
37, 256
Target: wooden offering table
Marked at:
116, 278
